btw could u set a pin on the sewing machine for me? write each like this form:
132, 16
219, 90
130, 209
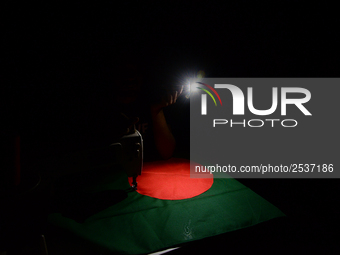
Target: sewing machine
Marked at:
130, 149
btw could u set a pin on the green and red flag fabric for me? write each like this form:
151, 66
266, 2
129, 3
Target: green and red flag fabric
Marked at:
168, 209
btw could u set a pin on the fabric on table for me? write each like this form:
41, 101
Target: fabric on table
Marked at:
171, 180
143, 224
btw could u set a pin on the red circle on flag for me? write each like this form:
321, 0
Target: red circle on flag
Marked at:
170, 180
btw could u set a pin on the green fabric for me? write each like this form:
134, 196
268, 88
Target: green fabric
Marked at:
141, 224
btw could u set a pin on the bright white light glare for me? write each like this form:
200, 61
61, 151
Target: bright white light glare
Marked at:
192, 81
189, 82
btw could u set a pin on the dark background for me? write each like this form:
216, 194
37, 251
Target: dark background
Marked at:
53, 55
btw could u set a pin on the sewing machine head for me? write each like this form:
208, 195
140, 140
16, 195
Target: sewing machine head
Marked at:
131, 154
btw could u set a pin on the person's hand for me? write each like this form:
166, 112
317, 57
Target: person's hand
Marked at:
170, 97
